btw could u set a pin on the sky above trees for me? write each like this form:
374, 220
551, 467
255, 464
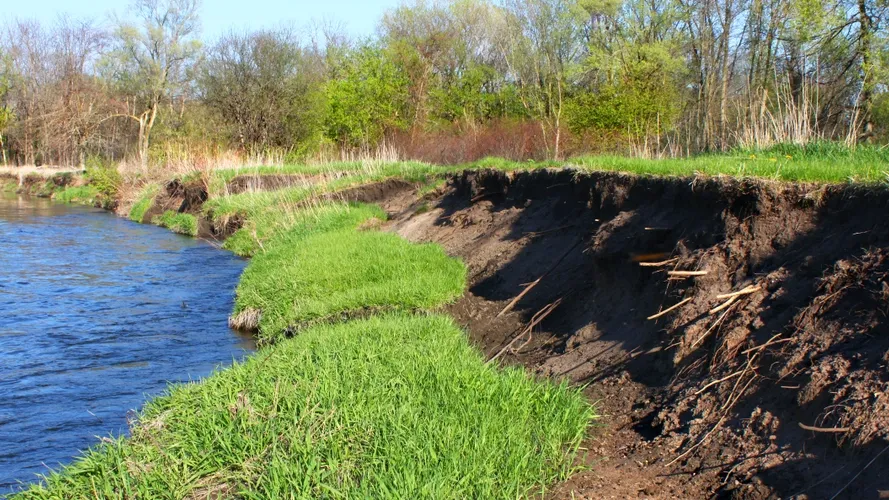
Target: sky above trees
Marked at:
358, 17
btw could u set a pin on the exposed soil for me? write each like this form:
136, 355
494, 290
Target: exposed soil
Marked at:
695, 403
183, 198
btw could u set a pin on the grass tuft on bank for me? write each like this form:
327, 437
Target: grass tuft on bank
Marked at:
83, 195
181, 223
143, 202
311, 275
394, 406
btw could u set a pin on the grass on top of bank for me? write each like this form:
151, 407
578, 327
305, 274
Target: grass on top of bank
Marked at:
822, 162
394, 406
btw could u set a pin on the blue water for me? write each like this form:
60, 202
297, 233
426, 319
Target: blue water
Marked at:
96, 314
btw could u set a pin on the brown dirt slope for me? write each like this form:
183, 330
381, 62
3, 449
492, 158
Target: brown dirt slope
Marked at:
707, 400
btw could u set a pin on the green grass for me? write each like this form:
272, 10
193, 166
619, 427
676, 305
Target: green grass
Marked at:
259, 231
395, 406
85, 195
143, 203
818, 162
181, 223
823, 162
409, 170
324, 275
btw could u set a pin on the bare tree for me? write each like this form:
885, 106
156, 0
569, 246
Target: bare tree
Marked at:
151, 60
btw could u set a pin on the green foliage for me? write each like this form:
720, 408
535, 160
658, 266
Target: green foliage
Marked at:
83, 195
104, 178
396, 406
624, 109
366, 98
143, 203
181, 223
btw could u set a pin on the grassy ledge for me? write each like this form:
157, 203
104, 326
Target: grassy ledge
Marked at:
143, 202
181, 223
322, 268
83, 195
394, 406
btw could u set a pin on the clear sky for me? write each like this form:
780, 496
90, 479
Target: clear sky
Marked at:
358, 17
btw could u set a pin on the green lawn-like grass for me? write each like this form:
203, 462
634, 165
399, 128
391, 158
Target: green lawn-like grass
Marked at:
394, 406
309, 276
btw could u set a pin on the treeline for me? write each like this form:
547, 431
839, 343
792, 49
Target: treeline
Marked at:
450, 81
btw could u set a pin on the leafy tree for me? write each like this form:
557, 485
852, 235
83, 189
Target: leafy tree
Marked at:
267, 86
366, 97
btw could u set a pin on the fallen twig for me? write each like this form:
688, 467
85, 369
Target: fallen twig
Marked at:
534, 234
535, 320
670, 309
518, 297
686, 274
659, 264
837, 430
724, 305
534, 283
747, 291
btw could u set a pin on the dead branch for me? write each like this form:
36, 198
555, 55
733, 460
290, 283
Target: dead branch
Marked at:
535, 320
659, 264
687, 274
746, 291
724, 305
670, 309
534, 283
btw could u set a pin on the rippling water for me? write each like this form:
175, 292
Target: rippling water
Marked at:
96, 314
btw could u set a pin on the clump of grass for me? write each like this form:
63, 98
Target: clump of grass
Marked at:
323, 275
143, 203
181, 223
395, 406
85, 195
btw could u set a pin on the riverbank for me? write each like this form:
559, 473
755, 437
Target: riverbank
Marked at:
731, 330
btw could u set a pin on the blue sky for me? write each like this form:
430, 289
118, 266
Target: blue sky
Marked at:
358, 17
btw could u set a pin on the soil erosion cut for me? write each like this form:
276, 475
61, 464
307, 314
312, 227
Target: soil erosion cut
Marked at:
734, 331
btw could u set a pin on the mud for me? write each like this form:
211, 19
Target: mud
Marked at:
695, 403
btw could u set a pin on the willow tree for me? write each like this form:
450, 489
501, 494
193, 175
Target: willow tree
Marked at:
151, 59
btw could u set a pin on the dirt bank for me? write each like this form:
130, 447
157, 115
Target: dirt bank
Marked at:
708, 400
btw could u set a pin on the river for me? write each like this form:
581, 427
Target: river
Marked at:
97, 314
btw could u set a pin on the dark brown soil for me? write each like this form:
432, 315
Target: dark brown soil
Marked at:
695, 404
182, 198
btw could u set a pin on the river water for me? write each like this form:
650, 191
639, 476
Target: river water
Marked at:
96, 314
